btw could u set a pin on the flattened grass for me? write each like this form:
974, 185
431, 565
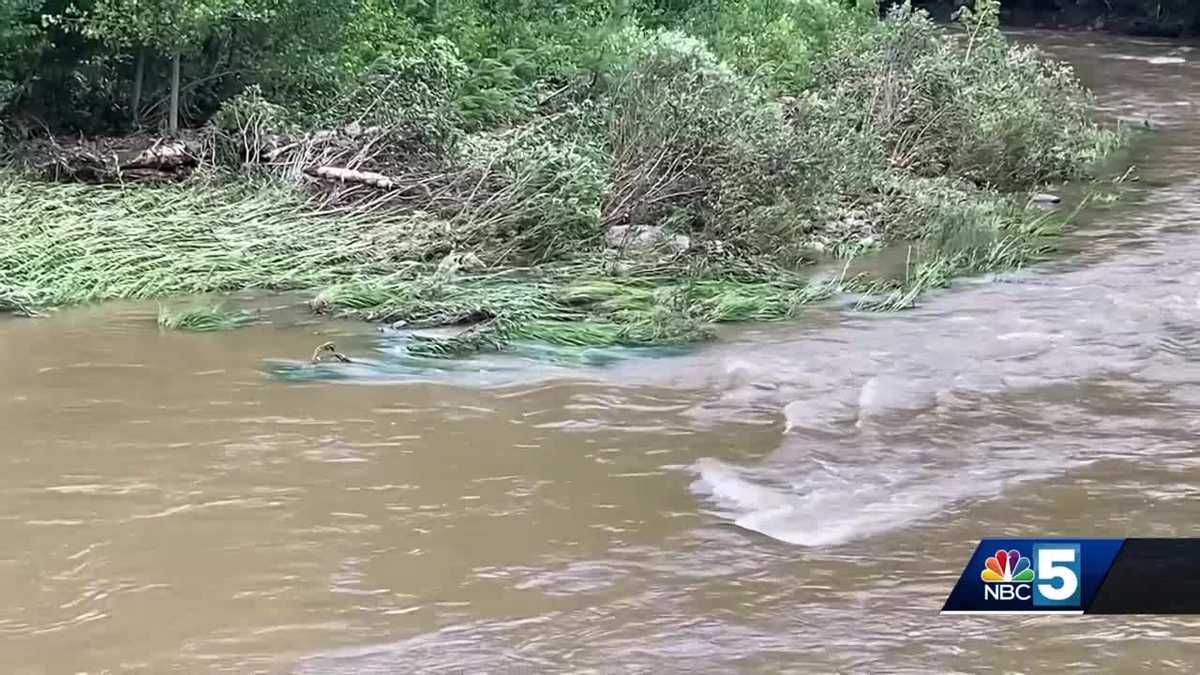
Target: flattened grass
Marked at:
70, 244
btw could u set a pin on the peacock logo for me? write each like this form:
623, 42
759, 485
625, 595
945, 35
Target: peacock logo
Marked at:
1007, 567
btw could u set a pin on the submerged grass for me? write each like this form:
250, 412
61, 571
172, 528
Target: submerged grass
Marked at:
935, 263
203, 319
569, 305
74, 244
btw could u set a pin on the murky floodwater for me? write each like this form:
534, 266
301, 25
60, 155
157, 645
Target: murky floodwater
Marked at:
796, 498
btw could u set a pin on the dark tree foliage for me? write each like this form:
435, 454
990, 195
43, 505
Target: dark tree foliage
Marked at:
109, 66
102, 66
1168, 18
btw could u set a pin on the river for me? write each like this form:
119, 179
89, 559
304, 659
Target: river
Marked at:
799, 497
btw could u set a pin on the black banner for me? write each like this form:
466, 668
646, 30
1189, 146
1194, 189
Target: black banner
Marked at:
1080, 576
1152, 576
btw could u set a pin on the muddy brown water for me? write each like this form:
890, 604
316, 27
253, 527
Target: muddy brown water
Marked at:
800, 497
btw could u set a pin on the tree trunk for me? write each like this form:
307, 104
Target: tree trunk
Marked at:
139, 75
717, 29
173, 114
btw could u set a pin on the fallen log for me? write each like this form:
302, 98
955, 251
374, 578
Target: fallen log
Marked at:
168, 156
371, 178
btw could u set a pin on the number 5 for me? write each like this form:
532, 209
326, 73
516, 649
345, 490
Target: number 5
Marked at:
1057, 574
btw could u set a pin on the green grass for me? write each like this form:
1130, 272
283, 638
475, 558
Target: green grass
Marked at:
502, 237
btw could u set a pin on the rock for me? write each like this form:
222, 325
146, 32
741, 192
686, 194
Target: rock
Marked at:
1045, 198
642, 237
454, 262
620, 236
680, 243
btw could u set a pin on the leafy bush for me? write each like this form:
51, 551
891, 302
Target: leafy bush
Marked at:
242, 126
20, 40
779, 40
532, 196
752, 136
969, 106
515, 64
691, 141
410, 93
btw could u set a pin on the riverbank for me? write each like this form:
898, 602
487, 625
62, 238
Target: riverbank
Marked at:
668, 191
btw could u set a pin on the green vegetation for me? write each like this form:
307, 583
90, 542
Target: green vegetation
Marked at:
579, 173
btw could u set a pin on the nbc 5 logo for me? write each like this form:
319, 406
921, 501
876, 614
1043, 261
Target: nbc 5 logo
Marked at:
1058, 580
1050, 579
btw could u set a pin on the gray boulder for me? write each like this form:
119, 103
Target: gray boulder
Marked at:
645, 237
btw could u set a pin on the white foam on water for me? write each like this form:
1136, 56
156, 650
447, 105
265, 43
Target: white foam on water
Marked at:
826, 414
826, 509
894, 422
1152, 60
887, 394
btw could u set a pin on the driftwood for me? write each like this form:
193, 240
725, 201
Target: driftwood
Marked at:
336, 157
371, 178
348, 146
123, 160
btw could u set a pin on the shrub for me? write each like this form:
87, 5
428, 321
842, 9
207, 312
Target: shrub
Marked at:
531, 196
779, 40
242, 126
692, 143
411, 94
967, 105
